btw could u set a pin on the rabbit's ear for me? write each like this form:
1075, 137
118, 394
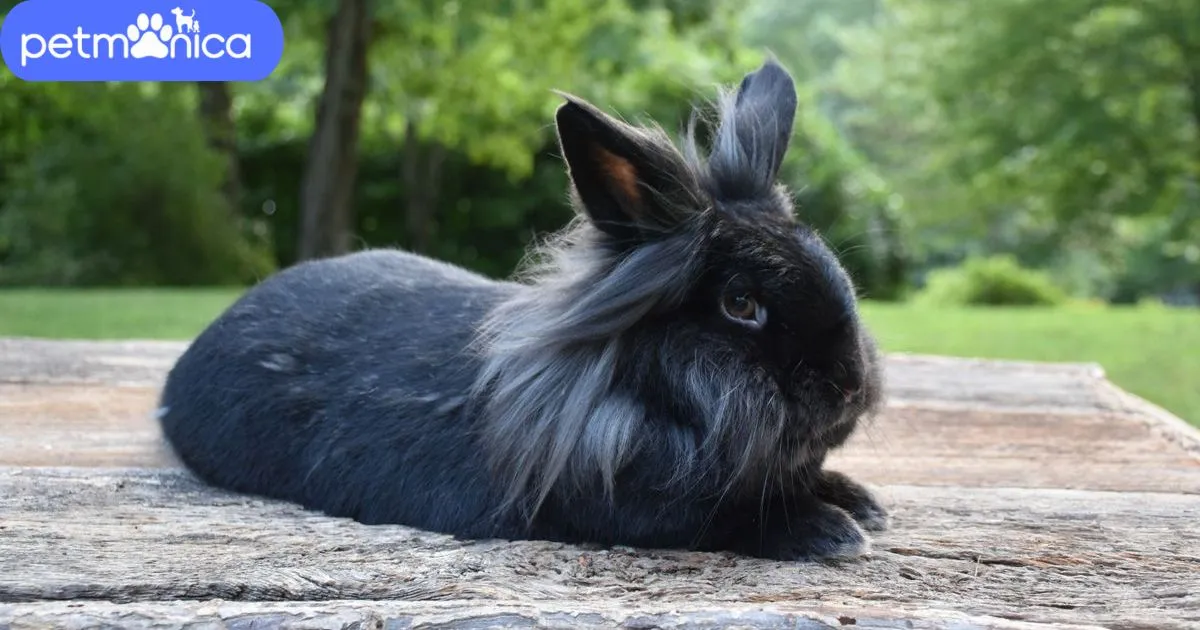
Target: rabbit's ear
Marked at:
755, 128
631, 183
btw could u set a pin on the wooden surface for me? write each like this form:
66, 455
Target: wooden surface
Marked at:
1023, 496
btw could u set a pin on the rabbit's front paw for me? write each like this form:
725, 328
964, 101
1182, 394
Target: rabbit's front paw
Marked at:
838, 489
823, 532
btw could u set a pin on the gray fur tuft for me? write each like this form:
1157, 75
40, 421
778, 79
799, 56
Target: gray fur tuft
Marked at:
551, 356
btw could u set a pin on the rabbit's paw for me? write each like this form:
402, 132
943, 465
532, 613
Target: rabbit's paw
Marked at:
824, 532
838, 489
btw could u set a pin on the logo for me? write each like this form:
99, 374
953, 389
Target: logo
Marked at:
141, 40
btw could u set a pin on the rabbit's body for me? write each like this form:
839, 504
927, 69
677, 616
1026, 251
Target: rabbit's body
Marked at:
341, 384
672, 374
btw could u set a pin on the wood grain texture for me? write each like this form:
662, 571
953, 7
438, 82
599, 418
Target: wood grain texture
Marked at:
1049, 555
44, 361
1024, 496
80, 425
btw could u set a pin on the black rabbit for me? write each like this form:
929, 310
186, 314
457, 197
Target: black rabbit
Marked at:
670, 372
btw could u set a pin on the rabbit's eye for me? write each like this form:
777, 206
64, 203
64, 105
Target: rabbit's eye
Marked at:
744, 309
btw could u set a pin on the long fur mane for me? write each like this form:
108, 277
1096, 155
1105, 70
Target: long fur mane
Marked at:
556, 405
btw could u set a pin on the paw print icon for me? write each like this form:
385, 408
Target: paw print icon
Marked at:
149, 36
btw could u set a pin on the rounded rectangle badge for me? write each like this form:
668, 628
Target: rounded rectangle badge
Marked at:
141, 40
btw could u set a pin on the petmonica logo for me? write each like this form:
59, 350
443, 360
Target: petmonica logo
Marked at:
141, 40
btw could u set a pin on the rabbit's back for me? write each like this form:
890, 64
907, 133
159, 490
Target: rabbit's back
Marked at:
341, 384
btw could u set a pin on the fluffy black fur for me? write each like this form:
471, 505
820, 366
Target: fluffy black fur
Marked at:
669, 372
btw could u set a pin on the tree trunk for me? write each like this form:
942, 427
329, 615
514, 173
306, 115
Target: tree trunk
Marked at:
327, 194
216, 117
422, 172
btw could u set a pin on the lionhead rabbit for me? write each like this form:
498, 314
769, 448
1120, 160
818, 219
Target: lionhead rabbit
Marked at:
670, 371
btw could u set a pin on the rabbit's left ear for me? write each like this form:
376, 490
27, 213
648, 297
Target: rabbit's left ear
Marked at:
756, 126
632, 185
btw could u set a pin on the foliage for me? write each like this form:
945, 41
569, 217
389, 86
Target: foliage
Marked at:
1162, 255
120, 193
1032, 127
807, 33
993, 281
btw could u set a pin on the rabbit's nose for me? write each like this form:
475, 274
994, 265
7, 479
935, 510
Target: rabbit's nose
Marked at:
848, 385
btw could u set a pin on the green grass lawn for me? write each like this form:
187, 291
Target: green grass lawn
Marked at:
1150, 351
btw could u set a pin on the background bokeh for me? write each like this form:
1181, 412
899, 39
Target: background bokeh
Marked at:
1011, 178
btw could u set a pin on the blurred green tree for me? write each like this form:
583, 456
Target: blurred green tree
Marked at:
1042, 127
115, 184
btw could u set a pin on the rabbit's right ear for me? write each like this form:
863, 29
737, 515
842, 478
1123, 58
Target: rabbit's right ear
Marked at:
632, 184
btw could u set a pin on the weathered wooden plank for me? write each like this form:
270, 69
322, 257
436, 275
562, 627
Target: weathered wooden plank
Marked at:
80, 425
451, 615
1112, 559
33, 360
997, 474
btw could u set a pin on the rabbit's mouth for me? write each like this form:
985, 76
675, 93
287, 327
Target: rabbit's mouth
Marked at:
814, 398
816, 420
